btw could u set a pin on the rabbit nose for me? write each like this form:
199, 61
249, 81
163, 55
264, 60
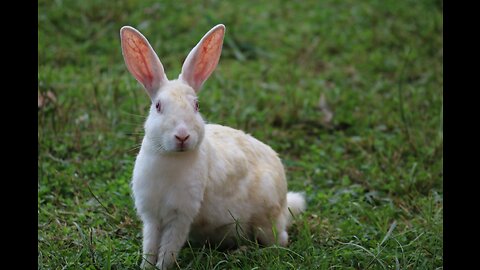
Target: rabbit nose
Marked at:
182, 139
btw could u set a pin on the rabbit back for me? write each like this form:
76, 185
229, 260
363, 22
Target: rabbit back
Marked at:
246, 184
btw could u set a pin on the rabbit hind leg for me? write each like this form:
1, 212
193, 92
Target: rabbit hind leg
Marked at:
269, 234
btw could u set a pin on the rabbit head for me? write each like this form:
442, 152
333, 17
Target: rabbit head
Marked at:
174, 123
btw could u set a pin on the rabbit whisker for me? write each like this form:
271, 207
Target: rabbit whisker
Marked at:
158, 146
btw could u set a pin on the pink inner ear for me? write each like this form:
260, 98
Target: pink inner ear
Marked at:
141, 61
209, 56
137, 62
204, 59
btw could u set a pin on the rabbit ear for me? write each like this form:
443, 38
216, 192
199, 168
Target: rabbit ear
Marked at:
141, 60
203, 59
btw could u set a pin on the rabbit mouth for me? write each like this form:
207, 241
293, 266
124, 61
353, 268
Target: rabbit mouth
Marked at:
182, 147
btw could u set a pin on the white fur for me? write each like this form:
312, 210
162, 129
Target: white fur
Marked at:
296, 203
221, 180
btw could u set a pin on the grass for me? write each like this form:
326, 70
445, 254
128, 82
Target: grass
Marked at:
373, 173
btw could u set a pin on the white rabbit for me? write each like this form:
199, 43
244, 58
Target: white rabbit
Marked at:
194, 177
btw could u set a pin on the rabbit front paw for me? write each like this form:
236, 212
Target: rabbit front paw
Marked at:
148, 262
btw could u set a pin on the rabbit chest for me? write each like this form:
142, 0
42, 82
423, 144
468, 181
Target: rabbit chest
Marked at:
167, 186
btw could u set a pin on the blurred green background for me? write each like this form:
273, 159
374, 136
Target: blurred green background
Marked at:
349, 93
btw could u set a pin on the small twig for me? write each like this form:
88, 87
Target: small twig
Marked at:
104, 207
57, 159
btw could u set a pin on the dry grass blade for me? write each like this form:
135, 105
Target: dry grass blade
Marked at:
390, 230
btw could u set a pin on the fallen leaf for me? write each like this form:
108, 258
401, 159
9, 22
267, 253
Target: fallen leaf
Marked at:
41, 100
51, 96
44, 99
325, 109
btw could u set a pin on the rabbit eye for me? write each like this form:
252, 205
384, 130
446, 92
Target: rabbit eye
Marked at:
196, 106
158, 106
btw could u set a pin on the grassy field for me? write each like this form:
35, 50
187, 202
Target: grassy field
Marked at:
350, 93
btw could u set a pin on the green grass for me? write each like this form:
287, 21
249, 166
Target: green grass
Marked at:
373, 174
